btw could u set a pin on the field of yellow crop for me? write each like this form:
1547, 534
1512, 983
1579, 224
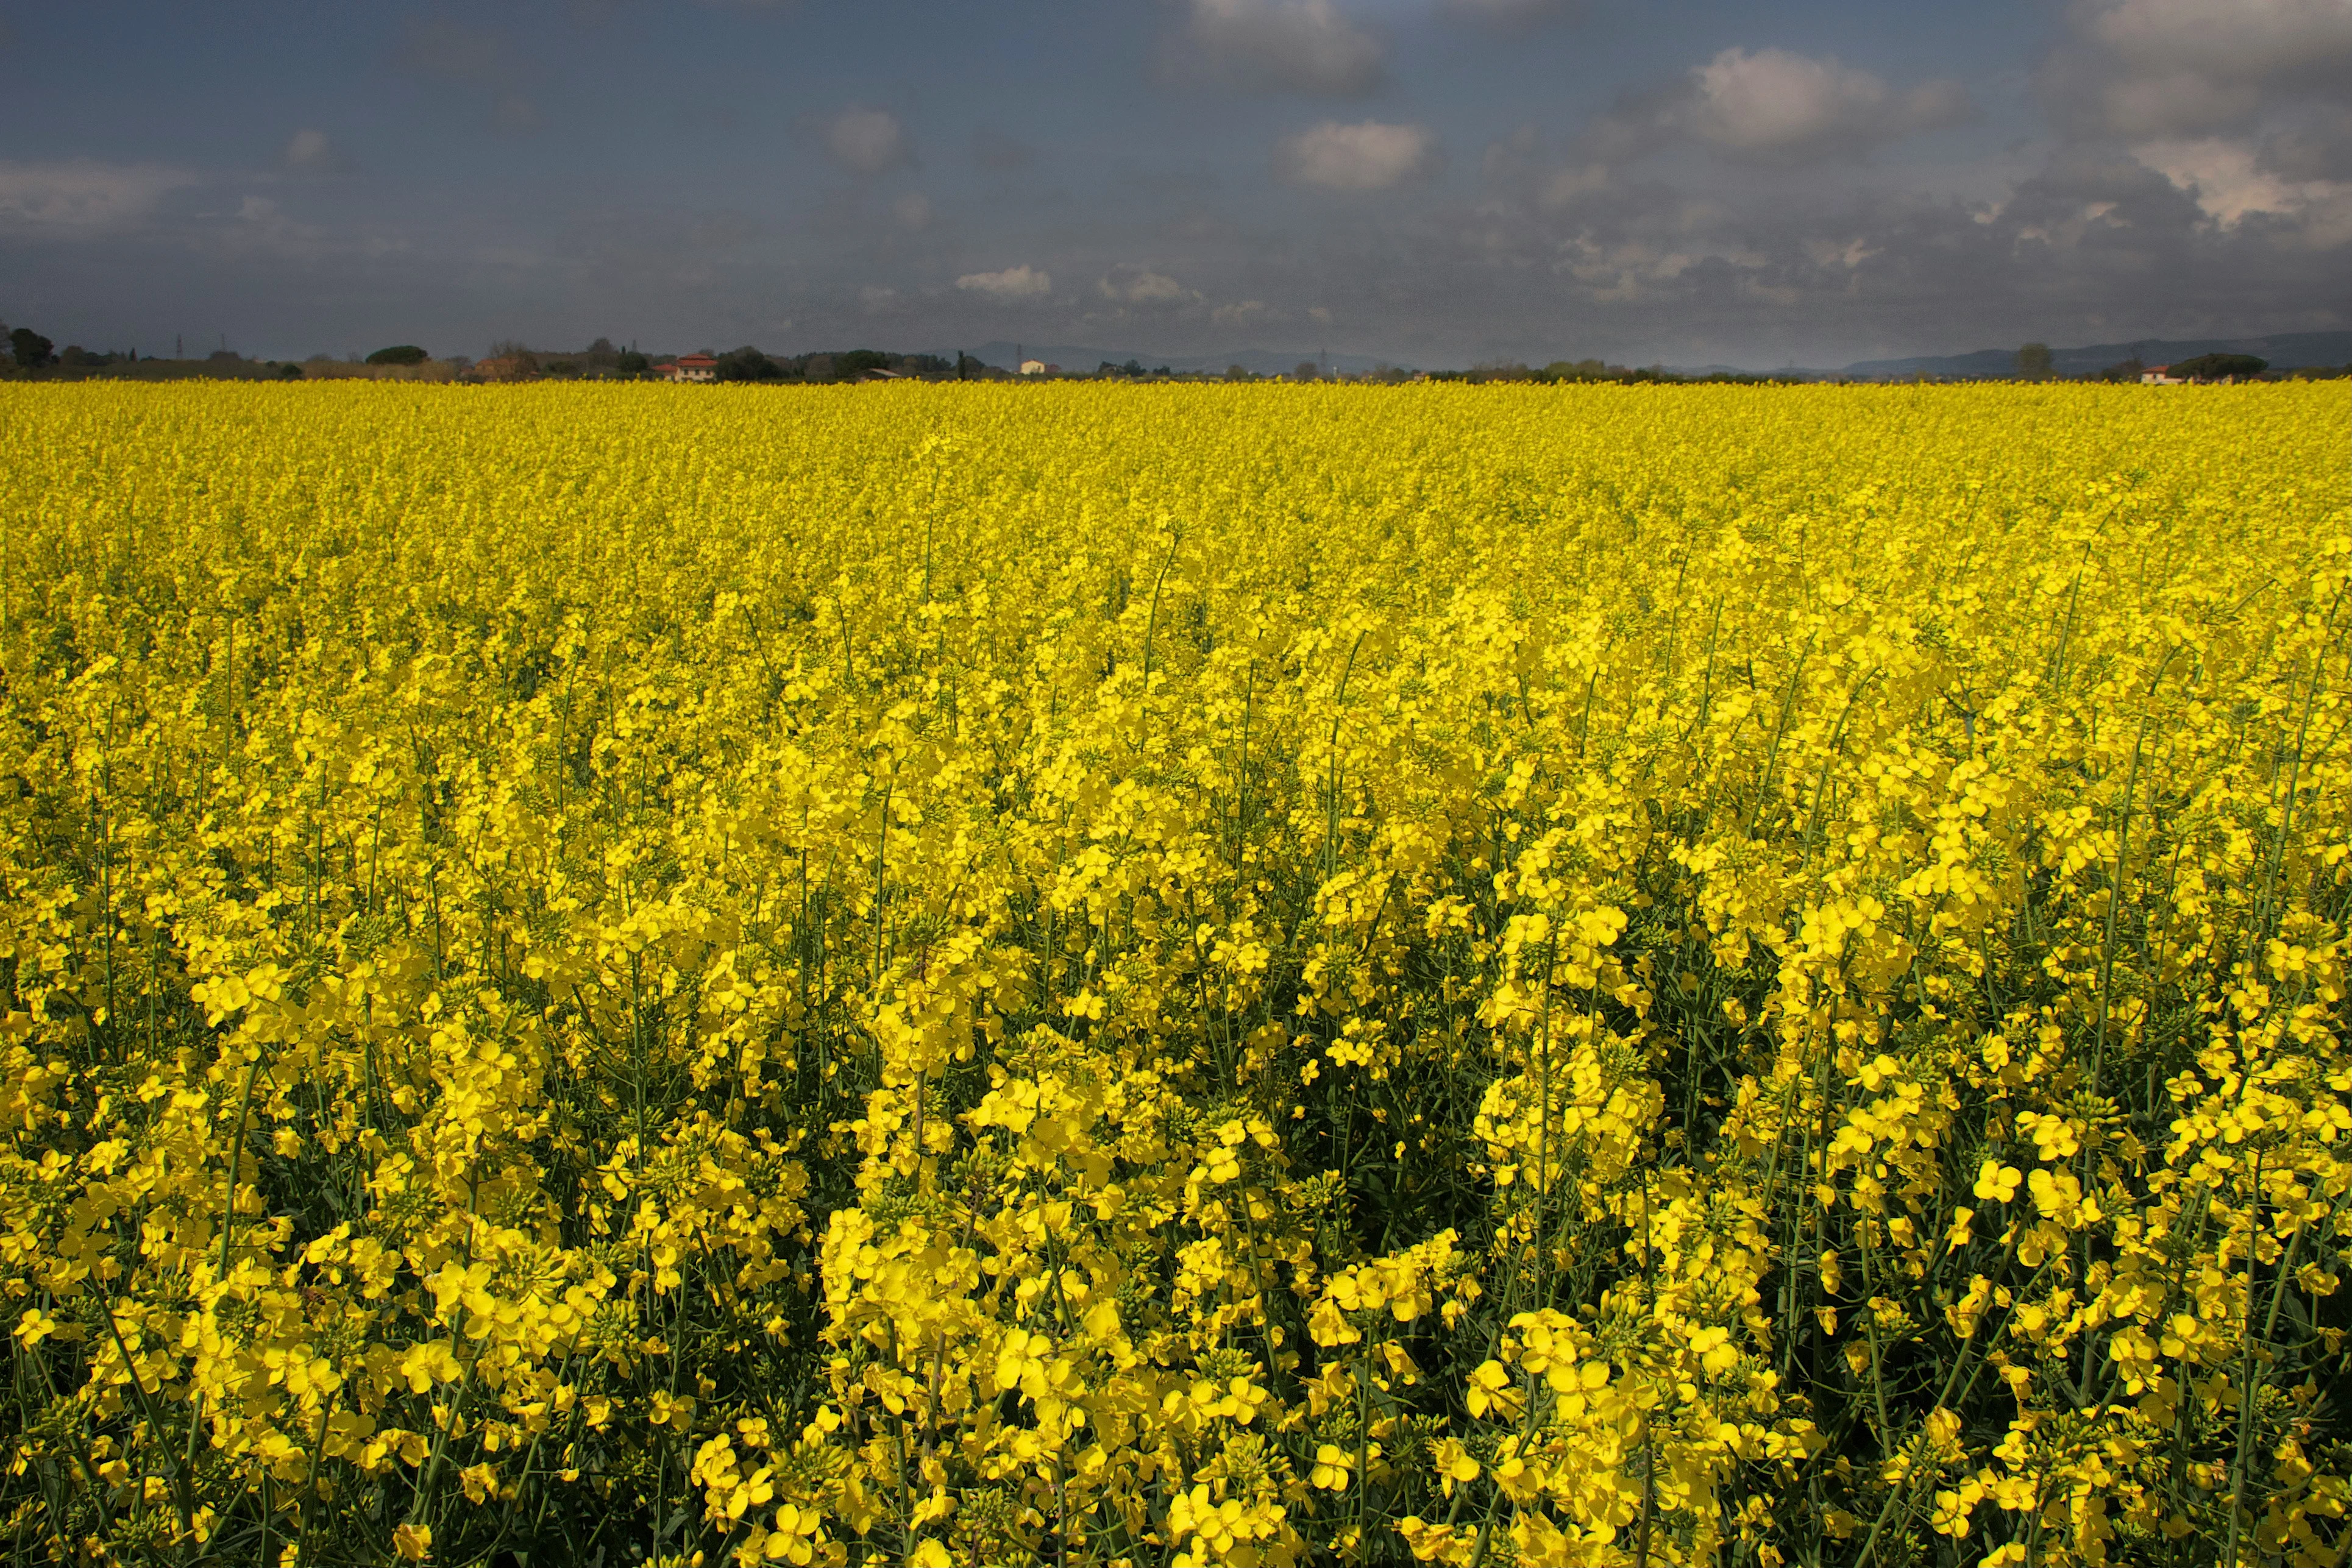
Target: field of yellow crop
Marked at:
1175, 975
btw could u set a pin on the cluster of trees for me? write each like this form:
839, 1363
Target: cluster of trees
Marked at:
599, 361
2214, 367
30, 350
1566, 370
603, 360
27, 350
750, 364
2203, 368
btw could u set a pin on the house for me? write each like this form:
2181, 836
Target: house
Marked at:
691, 368
2158, 376
1033, 367
505, 368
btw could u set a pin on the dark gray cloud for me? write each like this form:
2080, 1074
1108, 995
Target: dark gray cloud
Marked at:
2173, 68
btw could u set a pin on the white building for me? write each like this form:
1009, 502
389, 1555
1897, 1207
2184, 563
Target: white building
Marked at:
1032, 366
2158, 376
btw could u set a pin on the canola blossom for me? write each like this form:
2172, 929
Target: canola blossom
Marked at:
1174, 977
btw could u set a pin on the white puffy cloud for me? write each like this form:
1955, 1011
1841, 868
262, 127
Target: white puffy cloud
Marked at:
1294, 45
310, 153
1014, 283
1774, 104
867, 142
1141, 286
82, 196
1366, 156
2227, 180
1242, 313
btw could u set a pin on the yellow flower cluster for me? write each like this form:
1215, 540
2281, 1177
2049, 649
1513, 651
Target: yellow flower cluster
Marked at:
1156, 977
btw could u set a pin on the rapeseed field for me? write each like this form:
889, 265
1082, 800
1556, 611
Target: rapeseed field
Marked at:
1175, 975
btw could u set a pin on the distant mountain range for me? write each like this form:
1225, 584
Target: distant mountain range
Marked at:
1081, 359
2285, 350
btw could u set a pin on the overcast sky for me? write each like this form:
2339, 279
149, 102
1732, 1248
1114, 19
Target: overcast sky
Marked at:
1438, 182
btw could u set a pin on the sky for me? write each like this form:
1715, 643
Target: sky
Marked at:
1438, 183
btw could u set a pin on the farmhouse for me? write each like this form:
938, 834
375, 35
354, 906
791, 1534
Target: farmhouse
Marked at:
691, 368
2158, 376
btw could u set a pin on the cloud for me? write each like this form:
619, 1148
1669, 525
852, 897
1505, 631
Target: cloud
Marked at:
1243, 313
913, 210
310, 152
867, 142
2227, 40
1141, 286
1366, 156
1284, 46
992, 148
2229, 184
2156, 68
1014, 283
82, 196
1770, 105
2315, 146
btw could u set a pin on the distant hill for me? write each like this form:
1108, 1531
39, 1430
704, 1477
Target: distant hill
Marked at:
2285, 350
1077, 358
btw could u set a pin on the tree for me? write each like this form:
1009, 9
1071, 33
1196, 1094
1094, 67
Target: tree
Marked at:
398, 354
1237, 373
2034, 362
848, 367
1303, 370
2123, 371
632, 363
748, 364
2213, 367
32, 350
